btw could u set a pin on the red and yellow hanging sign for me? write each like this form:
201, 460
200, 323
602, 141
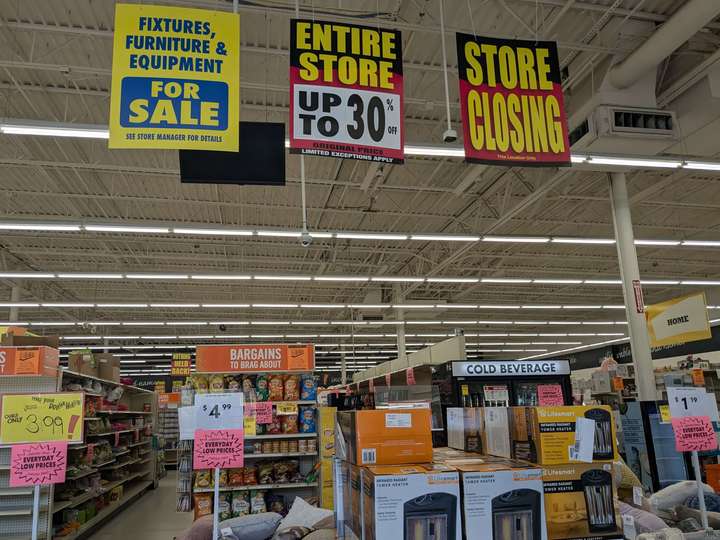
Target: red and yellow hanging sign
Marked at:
280, 357
512, 102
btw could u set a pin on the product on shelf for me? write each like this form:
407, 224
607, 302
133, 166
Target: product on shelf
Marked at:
292, 388
308, 391
203, 503
257, 501
275, 388
240, 503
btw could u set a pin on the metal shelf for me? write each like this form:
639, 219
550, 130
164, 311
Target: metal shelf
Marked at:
98, 465
123, 412
287, 454
258, 486
119, 465
111, 432
138, 443
81, 475
283, 436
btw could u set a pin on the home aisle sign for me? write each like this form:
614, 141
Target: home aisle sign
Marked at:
175, 78
346, 91
512, 102
678, 320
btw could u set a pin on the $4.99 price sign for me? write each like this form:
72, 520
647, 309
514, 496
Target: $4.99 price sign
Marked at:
219, 411
31, 418
346, 91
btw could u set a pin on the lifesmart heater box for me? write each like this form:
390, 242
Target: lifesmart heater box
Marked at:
384, 437
580, 502
503, 501
410, 502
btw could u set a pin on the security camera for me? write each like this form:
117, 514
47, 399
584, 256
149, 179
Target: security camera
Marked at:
222, 328
306, 239
450, 136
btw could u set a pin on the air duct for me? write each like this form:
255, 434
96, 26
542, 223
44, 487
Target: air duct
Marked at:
684, 24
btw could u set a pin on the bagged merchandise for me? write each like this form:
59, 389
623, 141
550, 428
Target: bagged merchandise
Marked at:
248, 387
233, 383
217, 384
224, 506
265, 473
261, 388
235, 477
223, 477
307, 420
276, 503
250, 476
308, 388
203, 504
292, 388
200, 383
275, 388
240, 503
257, 501
282, 472
289, 423
203, 479
274, 427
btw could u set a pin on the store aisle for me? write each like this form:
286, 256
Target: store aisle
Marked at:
152, 517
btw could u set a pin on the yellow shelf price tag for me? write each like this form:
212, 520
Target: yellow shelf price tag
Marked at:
32, 418
284, 408
664, 414
250, 427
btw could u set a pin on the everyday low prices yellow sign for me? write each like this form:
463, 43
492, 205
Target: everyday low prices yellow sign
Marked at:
33, 418
175, 78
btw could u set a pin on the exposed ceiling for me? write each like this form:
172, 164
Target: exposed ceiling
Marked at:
55, 60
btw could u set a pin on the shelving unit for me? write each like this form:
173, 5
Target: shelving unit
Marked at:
168, 434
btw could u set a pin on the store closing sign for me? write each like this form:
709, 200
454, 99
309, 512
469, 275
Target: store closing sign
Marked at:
678, 320
512, 102
346, 91
175, 78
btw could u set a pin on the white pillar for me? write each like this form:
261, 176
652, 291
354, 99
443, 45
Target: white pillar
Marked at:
14, 297
400, 316
630, 275
343, 366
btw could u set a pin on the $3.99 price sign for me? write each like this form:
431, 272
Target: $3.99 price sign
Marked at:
31, 418
219, 411
346, 91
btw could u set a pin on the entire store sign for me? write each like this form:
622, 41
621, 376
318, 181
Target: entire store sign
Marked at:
180, 365
512, 102
38, 464
678, 320
226, 358
31, 418
175, 78
346, 91
503, 368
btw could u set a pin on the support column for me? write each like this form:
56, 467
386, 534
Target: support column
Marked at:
14, 297
343, 364
400, 316
630, 275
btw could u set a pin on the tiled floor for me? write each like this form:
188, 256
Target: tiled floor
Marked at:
151, 517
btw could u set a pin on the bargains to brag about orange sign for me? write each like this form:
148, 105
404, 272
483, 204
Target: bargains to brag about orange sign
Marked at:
512, 102
229, 358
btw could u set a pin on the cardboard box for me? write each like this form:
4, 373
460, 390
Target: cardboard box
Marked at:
29, 361
108, 366
485, 430
327, 486
405, 501
327, 431
552, 433
83, 362
26, 340
503, 499
581, 502
602, 382
384, 437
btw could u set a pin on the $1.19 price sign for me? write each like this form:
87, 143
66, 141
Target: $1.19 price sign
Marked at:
688, 401
219, 411
346, 91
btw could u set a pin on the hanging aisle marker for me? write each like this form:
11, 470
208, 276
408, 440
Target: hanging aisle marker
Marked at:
175, 78
511, 101
346, 91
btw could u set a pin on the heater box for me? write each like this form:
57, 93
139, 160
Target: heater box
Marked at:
384, 436
485, 430
505, 498
403, 502
581, 502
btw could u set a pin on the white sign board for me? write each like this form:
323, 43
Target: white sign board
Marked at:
219, 411
678, 321
507, 368
688, 401
186, 421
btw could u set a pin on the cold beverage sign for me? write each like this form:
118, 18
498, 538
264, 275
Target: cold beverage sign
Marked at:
37, 464
512, 102
346, 91
175, 78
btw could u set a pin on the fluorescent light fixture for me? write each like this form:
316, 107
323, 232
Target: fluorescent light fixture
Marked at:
212, 232
133, 361
143, 323
701, 165
659, 282
657, 242
578, 159
505, 280
452, 280
433, 151
270, 323
224, 277
19, 304
582, 306
533, 323
635, 162
66, 304
541, 306
399, 279
283, 278
613, 306
226, 306
701, 243
570, 240
90, 275
323, 306
341, 278
127, 229
187, 323
413, 306
700, 282
369, 306
53, 323
37, 227
157, 276
280, 234
121, 305
274, 305
498, 306
23, 275
370, 236
558, 281
457, 306
518, 239
443, 238
55, 129
603, 282
163, 305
